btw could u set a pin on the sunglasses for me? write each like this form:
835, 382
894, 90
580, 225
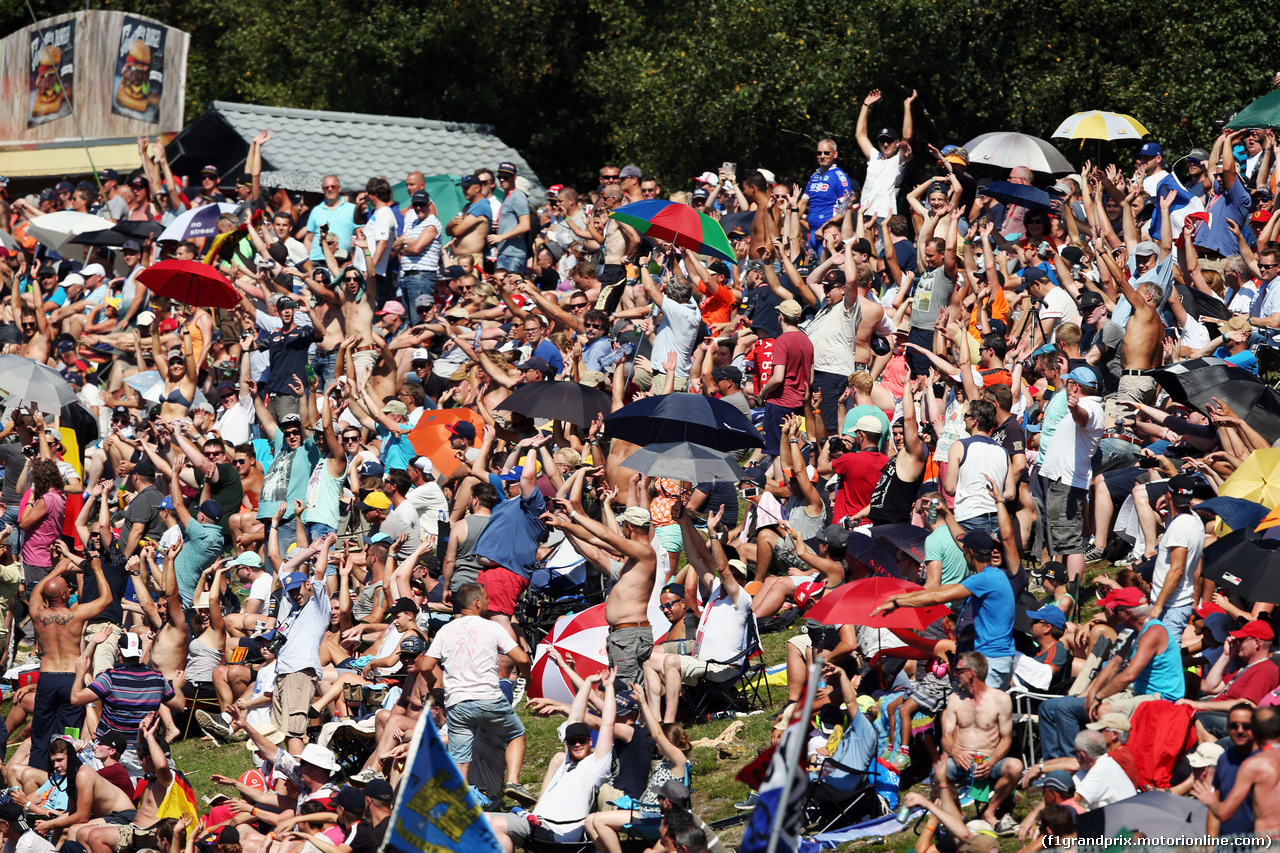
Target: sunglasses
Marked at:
578, 741
1238, 726
226, 396
576, 306
350, 278
592, 326
242, 461
290, 432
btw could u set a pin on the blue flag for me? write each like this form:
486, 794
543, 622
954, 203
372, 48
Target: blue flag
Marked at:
1184, 204
435, 809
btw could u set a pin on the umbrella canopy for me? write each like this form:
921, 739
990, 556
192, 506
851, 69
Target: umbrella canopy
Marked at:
431, 437
1008, 149
852, 603
1156, 814
196, 223
1023, 195
149, 384
678, 417
582, 635
30, 384
1250, 568
294, 180
139, 229
904, 537
868, 551
741, 220
683, 460
560, 401
1197, 381
109, 237
679, 224
1097, 124
190, 282
55, 230
1264, 112
1257, 479
1236, 513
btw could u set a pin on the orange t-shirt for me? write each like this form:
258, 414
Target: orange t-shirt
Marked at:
999, 310
718, 307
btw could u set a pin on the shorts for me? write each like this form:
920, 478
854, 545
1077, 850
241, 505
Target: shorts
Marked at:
930, 693
496, 715
503, 587
520, 831
1137, 389
1120, 482
1064, 514
1126, 703
628, 649
134, 838
291, 702
670, 537
693, 670
953, 770
918, 362
123, 818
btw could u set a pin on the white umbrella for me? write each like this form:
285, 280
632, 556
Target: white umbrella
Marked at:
1008, 149
196, 223
55, 229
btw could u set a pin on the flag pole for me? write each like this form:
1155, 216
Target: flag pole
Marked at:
792, 757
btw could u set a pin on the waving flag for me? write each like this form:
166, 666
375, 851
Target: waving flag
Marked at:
755, 839
1184, 204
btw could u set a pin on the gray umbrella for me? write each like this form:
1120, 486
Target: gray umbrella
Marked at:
684, 461
28, 383
1155, 814
294, 180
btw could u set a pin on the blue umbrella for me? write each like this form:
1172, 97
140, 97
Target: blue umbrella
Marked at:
1236, 513
1019, 194
671, 418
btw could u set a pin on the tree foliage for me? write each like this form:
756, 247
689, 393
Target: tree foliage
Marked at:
678, 86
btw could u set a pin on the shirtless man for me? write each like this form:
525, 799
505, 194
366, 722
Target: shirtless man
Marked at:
619, 241
469, 229
58, 631
978, 721
96, 797
1259, 776
153, 750
165, 616
357, 301
34, 326
626, 609
764, 225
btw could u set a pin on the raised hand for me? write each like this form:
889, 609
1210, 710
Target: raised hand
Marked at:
872, 98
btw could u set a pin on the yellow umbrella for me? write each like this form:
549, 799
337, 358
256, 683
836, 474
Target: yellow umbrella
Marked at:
1257, 479
1096, 124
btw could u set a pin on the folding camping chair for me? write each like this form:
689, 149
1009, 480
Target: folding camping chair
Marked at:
743, 691
841, 791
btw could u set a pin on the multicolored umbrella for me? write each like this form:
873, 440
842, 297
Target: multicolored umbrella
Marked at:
679, 224
1096, 124
581, 636
196, 223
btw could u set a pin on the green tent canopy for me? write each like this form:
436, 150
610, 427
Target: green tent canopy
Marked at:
444, 191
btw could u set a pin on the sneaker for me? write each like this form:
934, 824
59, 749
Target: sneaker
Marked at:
517, 694
214, 726
1094, 555
520, 794
1006, 826
901, 760
364, 777
1131, 560
748, 802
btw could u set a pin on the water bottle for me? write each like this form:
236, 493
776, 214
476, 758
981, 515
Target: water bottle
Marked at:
719, 715
532, 818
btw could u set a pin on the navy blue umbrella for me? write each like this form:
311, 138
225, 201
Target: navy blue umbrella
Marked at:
672, 418
1236, 513
1022, 195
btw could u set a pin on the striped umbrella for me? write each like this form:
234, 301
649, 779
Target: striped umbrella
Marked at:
1096, 124
679, 224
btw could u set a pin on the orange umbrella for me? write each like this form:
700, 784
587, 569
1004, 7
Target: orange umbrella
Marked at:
430, 438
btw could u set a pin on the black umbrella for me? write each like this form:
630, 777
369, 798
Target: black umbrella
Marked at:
1250, 568
739, 221
692, 463
108, 237
1198, 381
560, 401
670, 418
872, 554
139, 229
1156, 814
905, 537
1021, 195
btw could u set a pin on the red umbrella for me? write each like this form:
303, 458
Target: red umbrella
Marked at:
852, 603
190, 282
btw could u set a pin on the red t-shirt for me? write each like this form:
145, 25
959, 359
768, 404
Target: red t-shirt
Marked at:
859, 473
1253, 682
794, 351
762, 357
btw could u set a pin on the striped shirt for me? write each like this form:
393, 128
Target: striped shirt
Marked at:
129, 692
429, 258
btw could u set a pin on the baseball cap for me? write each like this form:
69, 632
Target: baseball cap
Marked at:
1260, 216
1051, 613
1181, 488
675, 791
248, 558
507, 168
553, 191
1258, 629
377, 500
754, 475
1146, 247
469, 181
404, 605
377, 539
131, 246
463, 429
395, 407
870, 424
630, 171
1090, 300
1205, 755
625, 703
166, 503
534, 363
412, 645
423, 464
420, 197
1113, 721
978, 541
1046, 349
789, 308
168, 324
1058, 780
1033, 274
836, 536
13, 813
66, 346
576, 730
294, 580
886, 133
718, 267
290, 420
727, 374
956, 154
92, 270
138, 181
1125, 596
1198, 154
636, 517
114, 739
1207, 609
1150, 149
212, 509
1084, 376
392, 308
379, 789
113, 175
210, 170
130, 646
371, 468
349, 798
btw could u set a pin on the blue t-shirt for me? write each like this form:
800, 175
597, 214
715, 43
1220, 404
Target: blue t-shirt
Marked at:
1224, 777
201, 545
991, 600
514, 206
396, 450
289, 475
594, 353
1215, 235
341, 220
824, 190
550, 352
513, 533
1244, 358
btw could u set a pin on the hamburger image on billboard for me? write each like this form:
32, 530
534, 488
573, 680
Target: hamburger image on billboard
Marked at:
139, 79
51, 71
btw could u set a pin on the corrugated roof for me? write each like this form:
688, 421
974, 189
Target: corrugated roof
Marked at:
356, 146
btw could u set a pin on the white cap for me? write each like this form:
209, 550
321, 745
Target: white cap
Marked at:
424, 465
318, 756
420, 354
977, 377
73, 279
130, 646
145, 318
92, 270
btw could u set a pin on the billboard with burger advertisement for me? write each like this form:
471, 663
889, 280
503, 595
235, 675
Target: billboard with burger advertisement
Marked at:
139, 80
123, 75
53, 51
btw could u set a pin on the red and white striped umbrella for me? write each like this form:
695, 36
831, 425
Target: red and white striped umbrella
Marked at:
581, 635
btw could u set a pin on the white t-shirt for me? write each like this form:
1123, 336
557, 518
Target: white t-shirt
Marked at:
1184, 531
260, 589
1104, 784
381, 226
233, 423
469, 647
1067, 458
568, 798
880, 189
431, 505
1060, 308
678, 331
834, 333
722, 630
